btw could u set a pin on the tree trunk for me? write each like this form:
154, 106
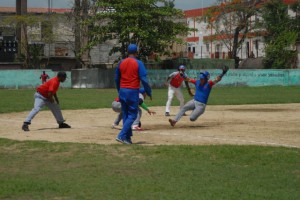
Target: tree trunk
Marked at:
235, 47
84, 34
77, 27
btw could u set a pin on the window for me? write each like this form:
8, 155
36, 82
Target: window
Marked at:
207, 47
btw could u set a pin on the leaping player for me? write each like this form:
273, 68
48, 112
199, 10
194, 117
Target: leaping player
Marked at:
203, 88
174, 87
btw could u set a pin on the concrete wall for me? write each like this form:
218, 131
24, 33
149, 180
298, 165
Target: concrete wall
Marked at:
17, 79
104, 78
237, 77
99, 78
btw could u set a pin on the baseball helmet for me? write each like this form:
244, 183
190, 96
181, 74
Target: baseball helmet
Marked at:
204, 75
142, 91
181, 67
62, 74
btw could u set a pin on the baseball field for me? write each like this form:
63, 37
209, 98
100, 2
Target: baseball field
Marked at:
245, 146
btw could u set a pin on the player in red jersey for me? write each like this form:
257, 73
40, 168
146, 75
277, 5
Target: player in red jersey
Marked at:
44, 77
174, 87
46, 95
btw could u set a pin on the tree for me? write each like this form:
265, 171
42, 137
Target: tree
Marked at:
232, 22
281, 37
80, 14
152, 24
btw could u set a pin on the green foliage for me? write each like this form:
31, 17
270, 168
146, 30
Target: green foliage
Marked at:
43, 170
152, 24
283, 33
73, 99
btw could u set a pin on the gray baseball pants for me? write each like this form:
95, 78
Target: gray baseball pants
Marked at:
197, 107
138, 118
117, 107
39, 103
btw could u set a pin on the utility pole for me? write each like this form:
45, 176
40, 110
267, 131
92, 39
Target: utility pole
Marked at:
21, 32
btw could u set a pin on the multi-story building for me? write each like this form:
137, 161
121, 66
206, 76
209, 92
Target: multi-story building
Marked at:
204, 42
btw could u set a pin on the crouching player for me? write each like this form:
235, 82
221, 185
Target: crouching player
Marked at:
117, 107
203, 88
136, 126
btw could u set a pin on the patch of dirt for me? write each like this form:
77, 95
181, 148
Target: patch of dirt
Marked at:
275, 125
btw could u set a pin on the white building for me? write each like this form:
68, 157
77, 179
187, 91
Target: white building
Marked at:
206, 43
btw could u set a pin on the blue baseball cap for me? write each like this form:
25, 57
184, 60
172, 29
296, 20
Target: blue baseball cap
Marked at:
132, 48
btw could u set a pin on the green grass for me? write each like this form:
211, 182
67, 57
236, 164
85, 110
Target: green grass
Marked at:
42, 170
22, 100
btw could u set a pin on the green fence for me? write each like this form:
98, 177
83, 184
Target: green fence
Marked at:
104, 78
250, 78
16, 79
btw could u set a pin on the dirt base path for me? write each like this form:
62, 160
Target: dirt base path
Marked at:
275, 125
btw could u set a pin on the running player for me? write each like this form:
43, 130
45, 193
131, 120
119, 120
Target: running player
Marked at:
203, 88
44, 77
46, 95
174, 87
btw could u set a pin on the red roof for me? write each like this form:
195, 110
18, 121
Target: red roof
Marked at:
291, 1
192, 39
35, 10
195, 12
201, 11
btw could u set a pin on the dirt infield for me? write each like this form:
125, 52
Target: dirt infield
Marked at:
275, 125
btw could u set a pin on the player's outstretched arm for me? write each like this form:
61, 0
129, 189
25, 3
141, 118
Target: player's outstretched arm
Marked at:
219, 78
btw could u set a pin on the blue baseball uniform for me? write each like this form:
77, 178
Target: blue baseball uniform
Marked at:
129, 73
198, 104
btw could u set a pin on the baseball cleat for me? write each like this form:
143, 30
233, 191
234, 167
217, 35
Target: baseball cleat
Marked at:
172, 122
136, 128
167, 114
125, 141
64, 125
25, 127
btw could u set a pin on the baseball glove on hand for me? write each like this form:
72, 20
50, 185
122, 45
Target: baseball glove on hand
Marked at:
224, 70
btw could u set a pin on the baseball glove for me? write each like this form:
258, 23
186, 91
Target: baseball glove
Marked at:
224, 70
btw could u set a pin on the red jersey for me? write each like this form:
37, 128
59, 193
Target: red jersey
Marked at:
44, 77
129, 69
51, 86
177, 80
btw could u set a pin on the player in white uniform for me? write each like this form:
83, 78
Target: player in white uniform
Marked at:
174, 87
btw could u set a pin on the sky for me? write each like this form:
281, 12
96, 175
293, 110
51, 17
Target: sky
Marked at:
181, 4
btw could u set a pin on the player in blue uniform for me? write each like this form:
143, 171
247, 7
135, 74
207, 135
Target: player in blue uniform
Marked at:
203, 88
129, 73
